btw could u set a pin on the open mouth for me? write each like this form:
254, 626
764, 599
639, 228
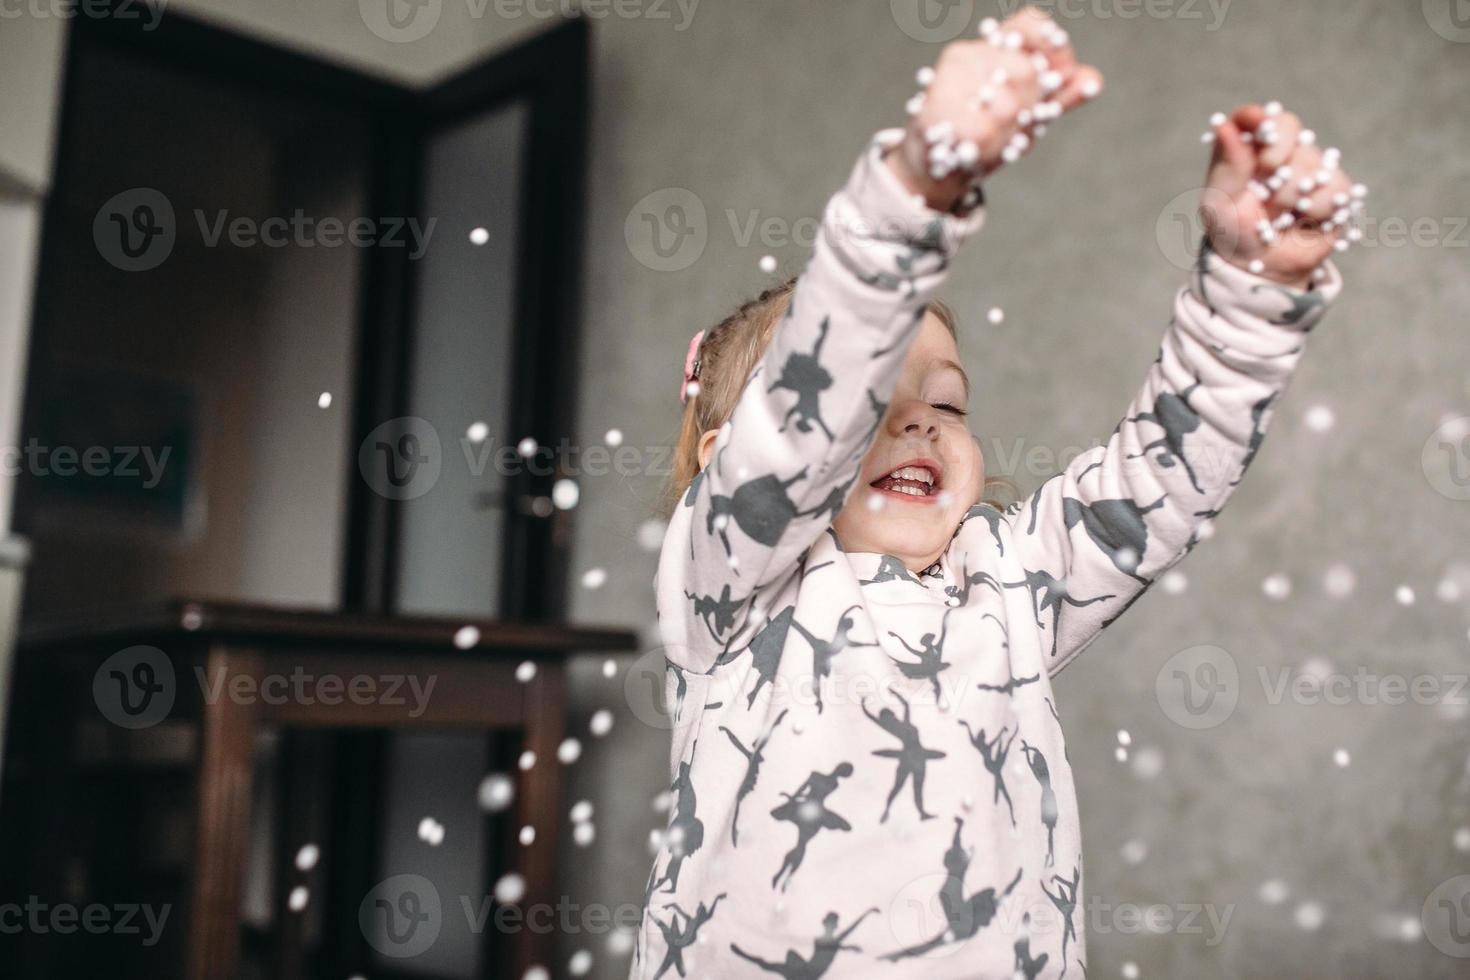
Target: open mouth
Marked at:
914, 480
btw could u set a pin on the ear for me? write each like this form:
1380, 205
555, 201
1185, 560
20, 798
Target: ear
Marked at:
707, 446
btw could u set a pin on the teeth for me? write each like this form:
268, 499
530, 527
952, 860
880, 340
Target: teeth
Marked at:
913, 473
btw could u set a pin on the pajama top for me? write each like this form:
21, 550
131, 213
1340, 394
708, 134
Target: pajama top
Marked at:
869, 777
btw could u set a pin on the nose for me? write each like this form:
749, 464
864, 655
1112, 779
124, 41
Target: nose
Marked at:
913, 418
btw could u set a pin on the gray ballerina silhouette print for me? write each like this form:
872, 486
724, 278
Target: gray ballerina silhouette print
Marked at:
1039, 769
765, 650
824, 650
1117, 528
1065, 900
990, 516
754, 756
1057, 715
1050, 593
686, 830
832, 505
918, 318
1010, 686
879, 409
1026, 967
994, 752
1172, 413
678, 937
964, 916
1200, 268
761, 508
807, 810
913, 758
824, 950
968, 582
1258, 434
718, 613
681, 688
930, 653
890, 569
804, 375
1302, 305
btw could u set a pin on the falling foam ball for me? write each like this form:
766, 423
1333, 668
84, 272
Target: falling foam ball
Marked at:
1404, 595
526, 447
1134, 852
580, 963
477, 432
526, 761
1448, 590
594, 578
601, 723
996, 316
431, 831
1126, 558
569, 751
1124, 738
620, 942
510, 888
479, 236
324, 400
307, 857
527, 835
692, 389
1273, 892
651, 534
581, 811
609, 668
1148, 763
1341, 758
565, 494
1276, 586
536, 973
1121, 754
496, 792
1310, 916
1462, 840
1320, 418
297, 900
466, 637
1130, 970
662, 801
1339, 581
613, 438
1174, 582
768, 264
583, 834
875, 502
526, 671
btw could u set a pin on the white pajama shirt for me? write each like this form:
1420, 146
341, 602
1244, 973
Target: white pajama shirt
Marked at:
869, 777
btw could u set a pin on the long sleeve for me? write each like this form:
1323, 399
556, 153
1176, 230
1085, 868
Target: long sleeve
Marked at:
786, 460
1093, 538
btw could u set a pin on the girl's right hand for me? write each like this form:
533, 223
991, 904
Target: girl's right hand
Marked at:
987, 103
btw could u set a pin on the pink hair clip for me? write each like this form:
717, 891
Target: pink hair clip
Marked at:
691, 367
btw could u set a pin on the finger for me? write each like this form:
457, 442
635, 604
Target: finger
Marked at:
1085, 85
1041, 35
1233, 165
1277, 142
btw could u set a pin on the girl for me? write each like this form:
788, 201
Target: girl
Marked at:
869, 775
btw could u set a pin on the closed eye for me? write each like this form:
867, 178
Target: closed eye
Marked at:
947, 407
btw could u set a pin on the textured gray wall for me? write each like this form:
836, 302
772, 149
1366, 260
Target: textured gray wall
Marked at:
758, 109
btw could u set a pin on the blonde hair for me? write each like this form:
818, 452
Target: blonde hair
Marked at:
728, 354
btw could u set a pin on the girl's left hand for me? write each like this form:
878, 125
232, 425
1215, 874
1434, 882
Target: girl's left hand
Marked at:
1276, 203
